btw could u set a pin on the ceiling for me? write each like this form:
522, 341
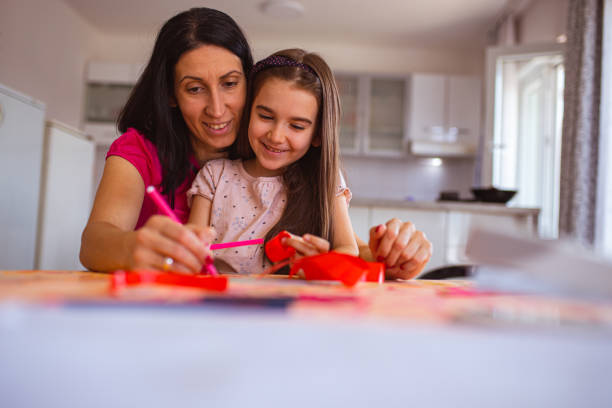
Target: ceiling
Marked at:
423, 23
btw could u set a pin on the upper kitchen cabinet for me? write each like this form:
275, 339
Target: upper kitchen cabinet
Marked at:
374, 115
108, 88
387, 116
445, 115
350, 122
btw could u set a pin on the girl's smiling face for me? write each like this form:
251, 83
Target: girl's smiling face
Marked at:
210, 91
281, 128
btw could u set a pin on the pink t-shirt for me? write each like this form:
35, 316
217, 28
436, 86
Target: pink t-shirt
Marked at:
142, 154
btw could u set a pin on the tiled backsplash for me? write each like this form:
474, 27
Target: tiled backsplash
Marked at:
408, 178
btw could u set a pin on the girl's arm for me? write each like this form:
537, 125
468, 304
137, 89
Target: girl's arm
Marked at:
200, 211
344, 238
109, 241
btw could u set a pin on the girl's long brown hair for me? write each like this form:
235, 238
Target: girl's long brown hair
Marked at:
311, 181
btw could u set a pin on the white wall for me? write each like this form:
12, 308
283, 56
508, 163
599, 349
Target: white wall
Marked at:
543, 21
340, 56
386, 60
43, 49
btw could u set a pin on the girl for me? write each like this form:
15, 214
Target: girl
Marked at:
286, 176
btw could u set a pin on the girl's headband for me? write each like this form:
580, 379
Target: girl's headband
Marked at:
280, 61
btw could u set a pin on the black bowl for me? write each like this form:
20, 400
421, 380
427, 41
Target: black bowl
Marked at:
493, 195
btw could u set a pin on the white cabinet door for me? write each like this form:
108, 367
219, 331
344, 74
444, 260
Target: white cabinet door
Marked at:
432, 223
464, 110
21, 145
460, 223
350, 122
360, 219
427, 107
374, 115
386, 119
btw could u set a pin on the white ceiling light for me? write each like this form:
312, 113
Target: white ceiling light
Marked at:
282, 8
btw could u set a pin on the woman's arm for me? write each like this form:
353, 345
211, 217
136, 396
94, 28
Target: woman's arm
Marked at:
109, 241
404, 249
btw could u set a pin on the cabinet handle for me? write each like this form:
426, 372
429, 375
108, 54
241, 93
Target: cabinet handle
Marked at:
459, 131
434, 129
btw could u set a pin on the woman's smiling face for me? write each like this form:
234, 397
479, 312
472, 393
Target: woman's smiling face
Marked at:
282, 125
210, 91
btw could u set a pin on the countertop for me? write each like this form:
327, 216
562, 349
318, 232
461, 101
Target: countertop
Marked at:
459, 206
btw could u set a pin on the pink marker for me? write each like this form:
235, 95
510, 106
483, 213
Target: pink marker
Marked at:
237, 243
161, 203
209, 267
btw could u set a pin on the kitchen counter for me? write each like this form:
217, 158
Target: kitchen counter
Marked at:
445, 223
461, 206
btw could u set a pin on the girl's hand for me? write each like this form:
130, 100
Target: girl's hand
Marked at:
404, 250
162, 244
306, 245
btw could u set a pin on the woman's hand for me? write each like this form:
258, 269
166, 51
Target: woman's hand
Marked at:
163, 244
404, 250
306, 245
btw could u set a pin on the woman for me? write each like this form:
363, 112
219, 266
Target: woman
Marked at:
185, 110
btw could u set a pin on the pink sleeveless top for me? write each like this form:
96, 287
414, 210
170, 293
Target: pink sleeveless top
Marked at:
142, 154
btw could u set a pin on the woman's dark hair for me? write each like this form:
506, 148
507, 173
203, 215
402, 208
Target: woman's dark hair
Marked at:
148, 107
311, 182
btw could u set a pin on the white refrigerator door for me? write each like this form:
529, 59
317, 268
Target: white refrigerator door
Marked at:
21, 144
66, 191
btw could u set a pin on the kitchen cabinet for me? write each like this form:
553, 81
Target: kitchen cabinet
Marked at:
445, 114
65, 196
445, 224
108, 86
374, 117
361, 221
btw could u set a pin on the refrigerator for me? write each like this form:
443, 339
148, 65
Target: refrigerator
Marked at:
22, 121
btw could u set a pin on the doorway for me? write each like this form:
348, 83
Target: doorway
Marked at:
524, 119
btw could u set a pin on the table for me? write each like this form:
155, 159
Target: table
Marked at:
66, 340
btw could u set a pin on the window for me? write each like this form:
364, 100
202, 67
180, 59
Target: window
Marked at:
604, 188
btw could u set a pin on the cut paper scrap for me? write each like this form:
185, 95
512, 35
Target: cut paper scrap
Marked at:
121, 279
276, 250
332, 265
347, 269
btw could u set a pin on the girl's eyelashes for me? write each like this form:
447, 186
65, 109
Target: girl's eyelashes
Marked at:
297, 127
265, 117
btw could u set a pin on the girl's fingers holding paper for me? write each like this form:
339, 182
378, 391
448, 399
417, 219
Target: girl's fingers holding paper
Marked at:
307, 245
320, 244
